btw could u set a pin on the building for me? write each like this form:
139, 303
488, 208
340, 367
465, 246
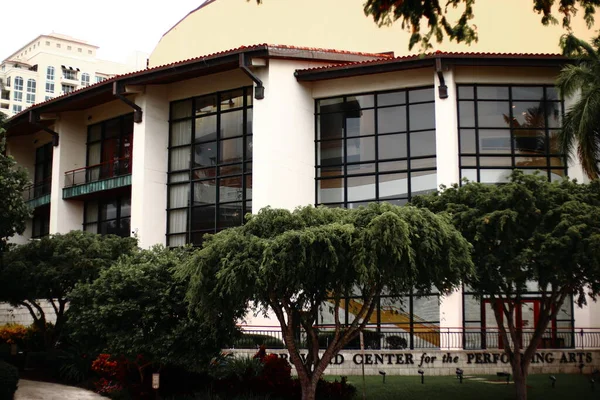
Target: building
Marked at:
52, 65
181, 149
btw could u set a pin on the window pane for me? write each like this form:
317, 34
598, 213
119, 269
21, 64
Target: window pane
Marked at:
94, 132
358, 169
389, 99
206, 128
330, 126
528, 115
393, 166
330, 171
495, 161
422, 116
423, 182
177, 221
416, 96
206, 104
391, 119
230, 215
126, 207
392, 146
203, 218
361, 188
249, 116
466, 92
492, 92
249, 148
361, 125
495, 141
234, 169
531, 162
330, 152
467, 141
205, 155
494, 114
495, 175
108, 210
232, 99
360, 149
181, 133
422, 163
393, 185
180, 159
530, 142
205, 192
248, 183
176, 240
422, 144
554, 114
527, 93
466, 114
232, 124
330, 105
91, 211
205, 173
470, 174
179, 195
230, 189
330, 190
231, 150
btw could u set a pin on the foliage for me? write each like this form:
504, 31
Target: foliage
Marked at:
13, 333
75, 367
292, 262
9, 379
136, 309
581, 127
412, 13
396, 342
14, 211
49, 268
527, 233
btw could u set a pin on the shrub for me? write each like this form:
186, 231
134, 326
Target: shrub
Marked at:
13, 334
9, 379
396, 342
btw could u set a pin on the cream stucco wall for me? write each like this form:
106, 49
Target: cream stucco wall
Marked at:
503, 26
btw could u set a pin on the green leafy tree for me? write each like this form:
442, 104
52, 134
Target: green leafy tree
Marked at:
581, 127
291, 263
526, 232
136, 309
49, 268
435, 12
13, 180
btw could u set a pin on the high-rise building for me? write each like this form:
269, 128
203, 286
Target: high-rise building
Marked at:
50, 66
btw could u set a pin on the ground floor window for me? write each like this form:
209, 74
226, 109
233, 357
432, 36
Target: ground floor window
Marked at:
481, 327
407, 322
40, 224
109, 216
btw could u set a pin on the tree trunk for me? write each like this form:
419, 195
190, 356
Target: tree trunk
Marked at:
309, 390
520, 379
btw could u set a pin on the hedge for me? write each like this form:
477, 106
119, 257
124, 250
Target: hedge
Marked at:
9, 378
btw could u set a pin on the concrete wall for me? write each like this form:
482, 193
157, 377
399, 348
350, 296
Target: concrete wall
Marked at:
342, 24
439, 362
21, 315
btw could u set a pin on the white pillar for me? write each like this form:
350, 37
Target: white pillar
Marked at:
149, 170
70, 154
447, 153
283, 141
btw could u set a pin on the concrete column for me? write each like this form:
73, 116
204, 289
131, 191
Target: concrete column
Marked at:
446, 125
149, 171
70, 154
283, 142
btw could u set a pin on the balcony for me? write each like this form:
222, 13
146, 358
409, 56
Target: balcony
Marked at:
38, 194
106, 176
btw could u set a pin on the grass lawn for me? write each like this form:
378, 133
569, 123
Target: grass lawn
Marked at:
568, 387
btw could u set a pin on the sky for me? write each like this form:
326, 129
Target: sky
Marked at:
118, 27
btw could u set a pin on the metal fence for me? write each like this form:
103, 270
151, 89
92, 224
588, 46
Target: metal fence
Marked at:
37, 189
441, 338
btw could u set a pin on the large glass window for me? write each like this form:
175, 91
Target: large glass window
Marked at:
108, 216
375, 147
31, 87
43, 170
40, 223
506, 127
18, 92
109, 148
210, 165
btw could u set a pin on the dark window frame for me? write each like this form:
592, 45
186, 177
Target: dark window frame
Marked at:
124, 164
119, 217
245, 163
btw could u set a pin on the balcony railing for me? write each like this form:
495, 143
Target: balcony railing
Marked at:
37, 189
432, 338
98, 172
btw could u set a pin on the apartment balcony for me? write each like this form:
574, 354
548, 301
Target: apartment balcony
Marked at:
38, 194
107, 176
69, 80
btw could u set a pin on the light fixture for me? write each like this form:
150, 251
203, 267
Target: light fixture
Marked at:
383, 374
553, 380
504, 374
459, 374
581, 366
422, 373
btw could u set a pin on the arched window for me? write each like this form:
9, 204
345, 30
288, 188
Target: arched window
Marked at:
50, 73
85, 79
18, 83
30, 91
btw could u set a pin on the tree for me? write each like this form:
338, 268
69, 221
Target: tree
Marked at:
293, 262
136, 309
412, 12
13, 180
527, 232
49, 268
581, 127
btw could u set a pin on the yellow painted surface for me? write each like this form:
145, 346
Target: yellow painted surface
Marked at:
503, 26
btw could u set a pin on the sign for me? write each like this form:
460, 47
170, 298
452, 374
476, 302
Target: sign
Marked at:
155, 381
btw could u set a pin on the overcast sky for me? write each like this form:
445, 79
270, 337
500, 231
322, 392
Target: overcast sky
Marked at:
117, 26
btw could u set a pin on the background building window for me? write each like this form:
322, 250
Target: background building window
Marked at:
108, 216
210, 165
69, 74
100, 79
17, 108
31, 87
67, 88
506, 127
85, 79
375, 147
49, 87
50, 73
18, 92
